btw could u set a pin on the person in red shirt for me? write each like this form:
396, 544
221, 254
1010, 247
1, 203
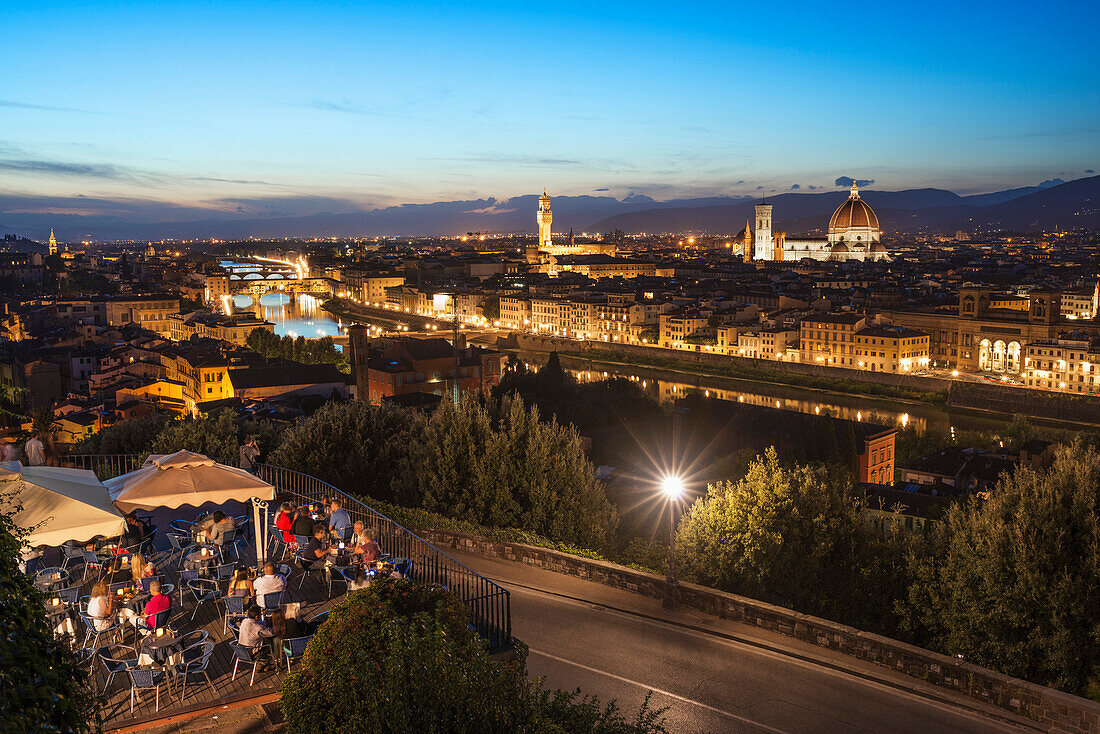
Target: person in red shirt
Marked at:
157, 604
285, 520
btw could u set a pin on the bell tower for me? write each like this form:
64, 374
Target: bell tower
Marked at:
53, 243
545, 217
765, 248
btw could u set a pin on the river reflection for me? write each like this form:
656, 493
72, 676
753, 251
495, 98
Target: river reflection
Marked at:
666, 391
295, 316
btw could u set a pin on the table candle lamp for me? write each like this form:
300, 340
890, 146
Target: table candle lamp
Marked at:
56, 601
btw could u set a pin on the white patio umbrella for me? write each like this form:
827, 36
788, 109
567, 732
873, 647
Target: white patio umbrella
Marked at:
184, 478
60, 504
187, 478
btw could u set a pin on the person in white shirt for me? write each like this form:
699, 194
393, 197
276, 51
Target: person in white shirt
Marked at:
100, 607
253, 634
35, 451
269, 583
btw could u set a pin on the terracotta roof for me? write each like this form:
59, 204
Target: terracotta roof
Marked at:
853, 213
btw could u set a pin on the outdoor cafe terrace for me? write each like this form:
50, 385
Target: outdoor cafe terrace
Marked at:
197, 618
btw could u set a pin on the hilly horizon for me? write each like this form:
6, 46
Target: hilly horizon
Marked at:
1051, 205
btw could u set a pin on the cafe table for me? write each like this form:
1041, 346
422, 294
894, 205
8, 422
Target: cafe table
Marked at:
160, 647
61, 619
199, 561
52, 581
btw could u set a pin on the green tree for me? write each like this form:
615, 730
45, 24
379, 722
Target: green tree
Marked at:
506, 468
789, 535
218, 435
44, 690
134, 436
400, 658
1012, 581
357, 447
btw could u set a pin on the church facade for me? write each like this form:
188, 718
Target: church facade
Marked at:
853, 235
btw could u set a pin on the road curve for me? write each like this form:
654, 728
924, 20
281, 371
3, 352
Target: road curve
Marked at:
710, 682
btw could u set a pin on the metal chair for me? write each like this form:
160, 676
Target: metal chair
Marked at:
229, 543
195, 664
294, 648
403, 566
302, 540
316, 621
189, 574
225, 571
244, 528
69, 595
113, 588
273, 600
145, 582
193, 639
242, 654
180, 544
160, 620
181, 527
44, 578
93, 633
235, 606
309, 565
71, 553
284, 570
146, 679
340, 575
91, 559
202, 590
114, 663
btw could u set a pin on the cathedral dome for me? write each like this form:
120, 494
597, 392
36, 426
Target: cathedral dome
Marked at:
853, 213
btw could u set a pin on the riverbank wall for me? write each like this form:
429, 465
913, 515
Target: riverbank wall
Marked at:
655, 355
986, 397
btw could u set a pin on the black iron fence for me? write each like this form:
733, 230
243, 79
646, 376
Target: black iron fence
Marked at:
488, 603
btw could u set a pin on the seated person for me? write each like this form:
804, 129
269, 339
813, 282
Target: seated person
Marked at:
361, 580
303, 524
141, 568
318, 549
366, 548
269, 583
339, 521
101, 606
135, 531
222, 524
241, 585
117, 573
284, 627
285, 521
157, 603
252, 636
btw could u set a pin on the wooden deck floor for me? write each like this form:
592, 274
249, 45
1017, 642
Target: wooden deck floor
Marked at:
313, 597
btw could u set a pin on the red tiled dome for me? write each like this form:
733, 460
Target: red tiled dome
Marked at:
853, 213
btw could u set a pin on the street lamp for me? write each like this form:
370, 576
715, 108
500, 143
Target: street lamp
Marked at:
673, 489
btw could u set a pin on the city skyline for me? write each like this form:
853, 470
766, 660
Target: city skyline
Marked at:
283, 110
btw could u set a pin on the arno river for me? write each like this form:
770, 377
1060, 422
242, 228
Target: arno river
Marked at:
293, 315
666, 386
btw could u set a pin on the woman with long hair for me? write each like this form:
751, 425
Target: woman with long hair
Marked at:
100, 606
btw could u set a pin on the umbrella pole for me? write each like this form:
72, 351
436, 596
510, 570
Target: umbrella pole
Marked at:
258, 530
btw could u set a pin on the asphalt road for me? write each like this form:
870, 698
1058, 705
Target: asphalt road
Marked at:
708, 683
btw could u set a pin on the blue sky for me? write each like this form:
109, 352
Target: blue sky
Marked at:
294, 107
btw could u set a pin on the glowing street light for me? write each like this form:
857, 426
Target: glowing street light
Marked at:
672, 487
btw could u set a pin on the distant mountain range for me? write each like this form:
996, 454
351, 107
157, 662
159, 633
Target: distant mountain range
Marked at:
1053, 205
1073, 205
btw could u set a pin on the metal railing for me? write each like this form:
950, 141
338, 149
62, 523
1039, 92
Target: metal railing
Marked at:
488, 603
